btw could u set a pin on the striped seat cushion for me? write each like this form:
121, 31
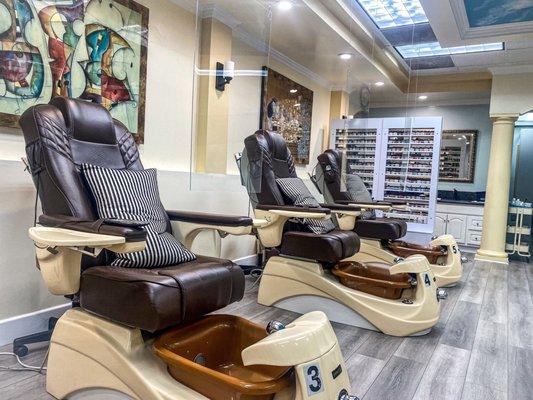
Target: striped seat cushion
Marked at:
134, 195
295, 190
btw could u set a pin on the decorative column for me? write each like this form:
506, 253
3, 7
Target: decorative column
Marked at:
497, 196
338, 106
213, 105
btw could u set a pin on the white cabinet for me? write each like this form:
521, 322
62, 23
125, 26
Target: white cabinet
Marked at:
464, 222
440, 224
456, 227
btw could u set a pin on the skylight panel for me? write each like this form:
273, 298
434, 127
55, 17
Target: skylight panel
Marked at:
394, 13
434, 49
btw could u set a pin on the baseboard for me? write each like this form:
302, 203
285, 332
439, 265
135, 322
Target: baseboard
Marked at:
26, 324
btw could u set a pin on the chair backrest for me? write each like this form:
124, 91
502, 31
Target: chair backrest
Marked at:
330, 165
267, 154
62, 135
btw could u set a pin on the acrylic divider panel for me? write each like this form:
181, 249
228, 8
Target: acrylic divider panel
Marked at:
398, 159
360, 141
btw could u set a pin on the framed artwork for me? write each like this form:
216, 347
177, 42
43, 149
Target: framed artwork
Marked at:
94, 50
287, 108
458, 156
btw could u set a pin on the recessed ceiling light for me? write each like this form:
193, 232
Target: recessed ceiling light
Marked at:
434, 49
284, 5
380, 83
293, 91
393, 13
423, 97
345, 56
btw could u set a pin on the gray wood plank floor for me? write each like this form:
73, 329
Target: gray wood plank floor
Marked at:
482, 347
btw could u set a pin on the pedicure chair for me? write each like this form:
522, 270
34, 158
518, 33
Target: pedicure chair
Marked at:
143, 333
319, 271
381, 237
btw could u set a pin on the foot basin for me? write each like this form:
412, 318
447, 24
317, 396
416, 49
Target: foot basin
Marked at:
404, 249
372, 278
206, 356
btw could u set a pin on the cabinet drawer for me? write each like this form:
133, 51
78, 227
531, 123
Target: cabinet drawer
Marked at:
473, 238
475, 223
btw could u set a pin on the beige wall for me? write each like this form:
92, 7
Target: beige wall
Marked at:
169, 112
511, 94
169, 88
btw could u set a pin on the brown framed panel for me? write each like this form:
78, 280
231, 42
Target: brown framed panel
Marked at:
471, 135
287, 108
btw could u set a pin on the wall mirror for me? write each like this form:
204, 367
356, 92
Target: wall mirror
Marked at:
458, 156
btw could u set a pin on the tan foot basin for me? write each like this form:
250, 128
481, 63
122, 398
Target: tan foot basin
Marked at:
206, 356
404, 249
372, 278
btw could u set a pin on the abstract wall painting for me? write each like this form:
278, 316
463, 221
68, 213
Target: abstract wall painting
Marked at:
94, 50
287, 108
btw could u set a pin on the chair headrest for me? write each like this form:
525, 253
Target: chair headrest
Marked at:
271, 147
270, 142
85, 121
333, 156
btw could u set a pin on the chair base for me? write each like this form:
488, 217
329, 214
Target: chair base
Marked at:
92, 358
300, 285
20, 347
446, 275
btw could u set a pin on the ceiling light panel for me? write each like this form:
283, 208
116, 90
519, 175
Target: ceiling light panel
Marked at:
434, 49
394, 13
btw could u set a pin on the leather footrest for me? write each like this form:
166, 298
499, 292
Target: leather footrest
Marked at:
372, 278
404, 249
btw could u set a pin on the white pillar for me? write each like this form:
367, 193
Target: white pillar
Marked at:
497, 196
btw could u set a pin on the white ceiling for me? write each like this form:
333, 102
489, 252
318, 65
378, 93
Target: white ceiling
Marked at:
300, 35
446, 25
311, 43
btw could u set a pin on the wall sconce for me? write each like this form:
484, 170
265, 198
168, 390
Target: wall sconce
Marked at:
225, 73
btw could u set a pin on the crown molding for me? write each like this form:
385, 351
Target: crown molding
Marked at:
512, 69
189, 5
467, 32
438, 103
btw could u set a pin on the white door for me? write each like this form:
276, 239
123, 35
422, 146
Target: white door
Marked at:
457, 227
440, 224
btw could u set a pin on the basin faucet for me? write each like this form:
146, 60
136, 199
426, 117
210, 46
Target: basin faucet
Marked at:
274, 326
455, 194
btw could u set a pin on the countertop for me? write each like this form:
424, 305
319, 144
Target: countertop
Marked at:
465, 202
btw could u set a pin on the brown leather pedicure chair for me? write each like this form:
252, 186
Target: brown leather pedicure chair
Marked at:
141, 333
314, 264
382, 237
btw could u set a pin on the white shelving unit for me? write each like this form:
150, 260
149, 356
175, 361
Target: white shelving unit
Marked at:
404, 165
360, 139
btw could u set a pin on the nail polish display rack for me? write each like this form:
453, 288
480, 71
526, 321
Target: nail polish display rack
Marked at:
398, 159
360, 149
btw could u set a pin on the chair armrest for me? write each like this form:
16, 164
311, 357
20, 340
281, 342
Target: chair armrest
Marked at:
60, 250
61, 237
346, 214
341, 207
271, 231
295, 211
378, 205
187, 225
209, 219
131, 231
